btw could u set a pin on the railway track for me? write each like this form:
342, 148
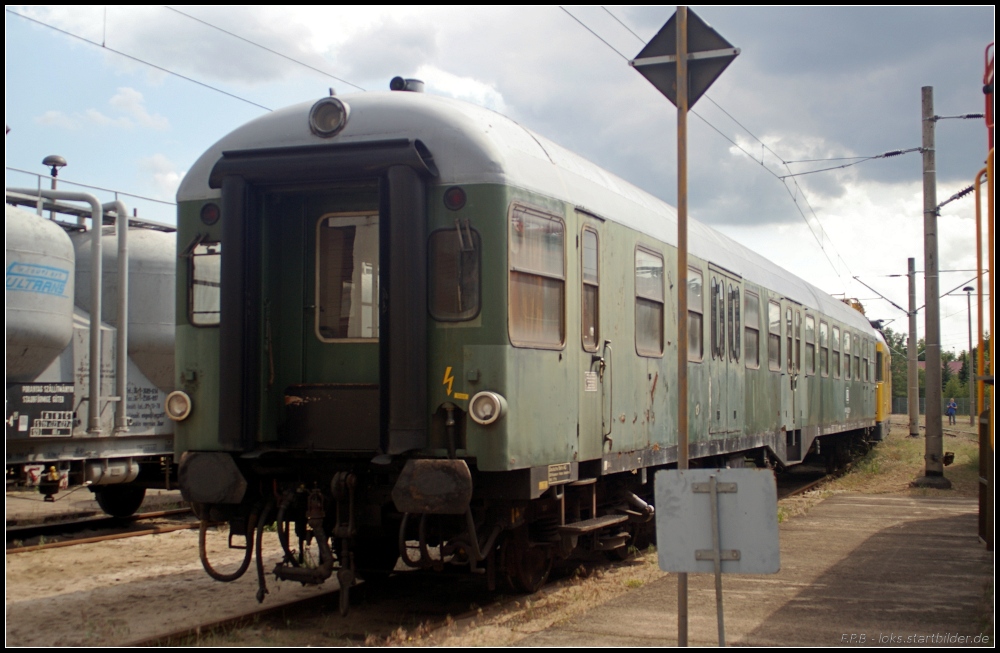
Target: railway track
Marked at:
70, 532
427, 601
417, 603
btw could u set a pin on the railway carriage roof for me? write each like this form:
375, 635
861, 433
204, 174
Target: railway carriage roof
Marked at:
472, 144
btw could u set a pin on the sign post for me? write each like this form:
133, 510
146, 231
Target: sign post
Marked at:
682, 61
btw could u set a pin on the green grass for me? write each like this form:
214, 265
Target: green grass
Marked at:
894, 463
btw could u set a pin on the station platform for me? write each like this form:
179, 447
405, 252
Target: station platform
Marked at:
856, 570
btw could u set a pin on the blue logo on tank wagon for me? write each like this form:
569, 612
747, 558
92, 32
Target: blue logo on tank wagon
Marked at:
42, 279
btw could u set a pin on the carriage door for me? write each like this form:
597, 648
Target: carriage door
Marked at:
322, 320
595, 358
792, 394
726, 373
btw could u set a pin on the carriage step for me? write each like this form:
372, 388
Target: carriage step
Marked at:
591, 525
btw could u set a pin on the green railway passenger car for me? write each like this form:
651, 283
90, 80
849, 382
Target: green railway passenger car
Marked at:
407, 326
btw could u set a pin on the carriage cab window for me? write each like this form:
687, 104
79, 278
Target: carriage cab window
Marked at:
347, 277
453, 256
206, 278
537, 279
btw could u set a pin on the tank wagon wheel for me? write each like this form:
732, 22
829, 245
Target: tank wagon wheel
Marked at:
525, 567
120, 500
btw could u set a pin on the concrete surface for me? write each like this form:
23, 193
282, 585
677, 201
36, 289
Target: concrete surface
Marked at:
880, 570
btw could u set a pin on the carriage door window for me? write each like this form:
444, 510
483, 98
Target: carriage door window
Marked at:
718, 319
206, 271
836, 352
810, 345
537, 279
789, 349
798, 341
751, 328
773, 336
824, 348
591, 281
866, 348
734, 323
696, 346
648, 303
847, 355
857, 357
347, 277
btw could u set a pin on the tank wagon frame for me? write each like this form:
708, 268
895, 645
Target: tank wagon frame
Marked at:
435, 334
116, 438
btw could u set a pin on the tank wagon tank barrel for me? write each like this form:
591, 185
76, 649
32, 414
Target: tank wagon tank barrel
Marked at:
58, 441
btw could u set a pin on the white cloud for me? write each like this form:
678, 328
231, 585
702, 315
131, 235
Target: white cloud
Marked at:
58, 119
463, 88
126, 101
164, 176
130, 101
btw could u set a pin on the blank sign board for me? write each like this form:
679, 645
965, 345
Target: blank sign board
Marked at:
747, 518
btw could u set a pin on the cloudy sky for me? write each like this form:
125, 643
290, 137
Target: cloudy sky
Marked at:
131, 96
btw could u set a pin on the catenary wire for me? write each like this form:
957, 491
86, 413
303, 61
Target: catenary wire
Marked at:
137, 59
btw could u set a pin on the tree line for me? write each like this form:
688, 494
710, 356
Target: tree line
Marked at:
952, 385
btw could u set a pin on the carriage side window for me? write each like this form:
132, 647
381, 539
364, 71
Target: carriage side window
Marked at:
648, 302
537, 279
453, 256
206, 277
836, 352
696, 315
734, 321
751, 329
847, 355
591, 283
810, 344
347, 277
824, 348
773, 336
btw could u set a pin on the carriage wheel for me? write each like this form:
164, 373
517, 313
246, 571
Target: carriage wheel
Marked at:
525, 567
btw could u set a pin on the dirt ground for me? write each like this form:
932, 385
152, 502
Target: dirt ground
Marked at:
128, 590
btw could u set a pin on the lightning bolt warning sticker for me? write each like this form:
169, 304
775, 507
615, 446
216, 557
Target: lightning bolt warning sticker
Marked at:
449, 379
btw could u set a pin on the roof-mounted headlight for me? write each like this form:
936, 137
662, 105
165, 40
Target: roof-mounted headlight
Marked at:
487, 407
178, 405
328, 116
